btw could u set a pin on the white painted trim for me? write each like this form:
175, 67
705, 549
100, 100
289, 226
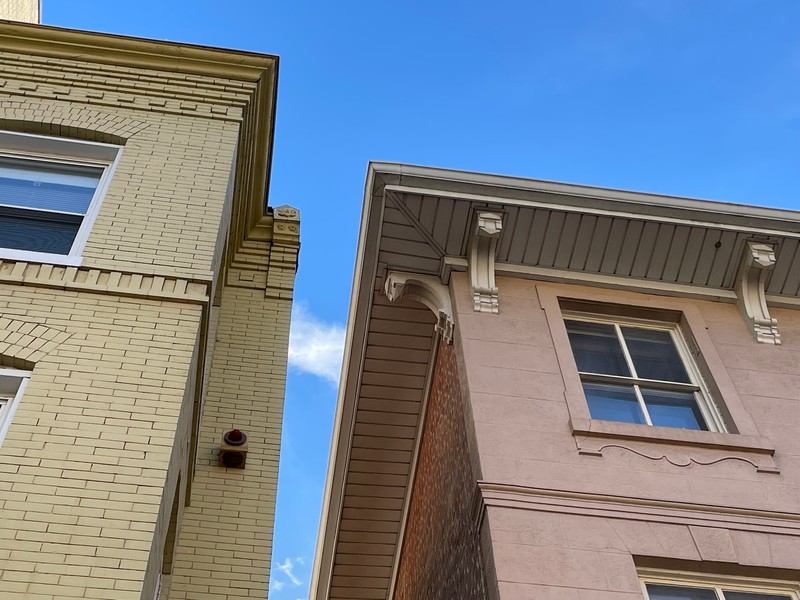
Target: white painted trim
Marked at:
63, 150
11, 407
587, 194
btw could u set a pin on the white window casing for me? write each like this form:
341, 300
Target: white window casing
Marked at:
40, 150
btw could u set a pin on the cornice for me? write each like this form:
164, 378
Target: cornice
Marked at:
135, 52
489, 494
105, 281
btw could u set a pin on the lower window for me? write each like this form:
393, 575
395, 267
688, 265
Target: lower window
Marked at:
669, 586
12, 385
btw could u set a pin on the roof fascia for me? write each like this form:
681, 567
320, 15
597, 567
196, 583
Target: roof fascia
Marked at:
134, 52
505, 189
349, 387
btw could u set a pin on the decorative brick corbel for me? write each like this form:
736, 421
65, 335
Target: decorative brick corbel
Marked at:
751, 280
427, 290
482, 251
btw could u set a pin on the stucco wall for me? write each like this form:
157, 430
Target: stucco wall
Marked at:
441, 556
567, 510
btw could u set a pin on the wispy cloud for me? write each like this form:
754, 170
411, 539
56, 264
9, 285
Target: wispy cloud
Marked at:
287, 568
315, 346
276, 585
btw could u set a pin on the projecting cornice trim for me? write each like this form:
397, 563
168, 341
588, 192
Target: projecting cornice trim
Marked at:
757, 261
105, 281
134, 52
488, 494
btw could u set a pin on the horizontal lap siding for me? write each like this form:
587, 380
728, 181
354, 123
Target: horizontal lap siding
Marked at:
393, 381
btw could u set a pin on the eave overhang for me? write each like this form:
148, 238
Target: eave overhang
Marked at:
420, 220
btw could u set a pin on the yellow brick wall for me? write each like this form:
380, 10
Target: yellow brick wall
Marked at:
164, 205
99, 447
225, 541
85, 460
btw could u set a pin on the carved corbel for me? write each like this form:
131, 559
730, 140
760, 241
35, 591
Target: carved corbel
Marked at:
482, 251
751, 281
427, 290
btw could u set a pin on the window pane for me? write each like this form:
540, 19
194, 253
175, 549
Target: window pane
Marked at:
671, 592
613, 403
749, 596
673, 409
47, 186
37, 236
596, 348
654, 354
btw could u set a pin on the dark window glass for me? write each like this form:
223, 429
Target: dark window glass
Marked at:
654, 354
19, 233
751, 596
47, 186
672, 592
613, 403
596, 348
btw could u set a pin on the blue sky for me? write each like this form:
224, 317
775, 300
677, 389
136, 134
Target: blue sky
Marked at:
685, 97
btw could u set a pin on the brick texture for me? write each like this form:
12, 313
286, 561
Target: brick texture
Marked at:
441, 556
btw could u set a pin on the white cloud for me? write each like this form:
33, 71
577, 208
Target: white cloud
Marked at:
300, 560
287, 568
315, 346
276, 585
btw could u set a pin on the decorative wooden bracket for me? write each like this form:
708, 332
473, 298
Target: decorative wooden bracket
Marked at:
483, 247
751, 281
427, 290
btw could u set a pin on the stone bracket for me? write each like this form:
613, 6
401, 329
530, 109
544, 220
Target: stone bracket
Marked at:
757, 260
482, 251
427, 290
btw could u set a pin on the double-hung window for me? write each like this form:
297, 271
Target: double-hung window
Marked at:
12, 386
665, 585
50, 193
639, 371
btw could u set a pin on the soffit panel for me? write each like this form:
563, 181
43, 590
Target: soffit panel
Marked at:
399, 342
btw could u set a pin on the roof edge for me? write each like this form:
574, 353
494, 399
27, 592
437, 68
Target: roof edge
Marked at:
130, 51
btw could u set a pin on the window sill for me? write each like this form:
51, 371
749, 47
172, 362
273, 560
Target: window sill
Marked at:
594, 436
40, 257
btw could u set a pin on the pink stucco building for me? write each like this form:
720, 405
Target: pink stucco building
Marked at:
558, 392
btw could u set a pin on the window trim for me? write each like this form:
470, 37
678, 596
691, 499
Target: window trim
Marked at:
742, 435
64, 151
734, 583
706, 404
7, 413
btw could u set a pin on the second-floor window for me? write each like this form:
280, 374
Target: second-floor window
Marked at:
50, 192
638, 371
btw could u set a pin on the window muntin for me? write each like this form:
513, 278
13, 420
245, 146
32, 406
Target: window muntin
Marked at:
638, 371
12, 386
50, 193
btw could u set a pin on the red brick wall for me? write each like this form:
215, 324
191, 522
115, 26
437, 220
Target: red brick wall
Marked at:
441, 558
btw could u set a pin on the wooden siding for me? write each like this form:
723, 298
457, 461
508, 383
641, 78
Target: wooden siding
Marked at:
393, 380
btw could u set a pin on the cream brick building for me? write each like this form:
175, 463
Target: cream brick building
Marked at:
145, 295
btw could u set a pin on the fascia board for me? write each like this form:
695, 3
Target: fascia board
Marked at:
349, 387
135, 52
436, 181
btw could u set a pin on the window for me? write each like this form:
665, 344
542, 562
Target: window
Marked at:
50, 193
12, 386
639, 371
663, 585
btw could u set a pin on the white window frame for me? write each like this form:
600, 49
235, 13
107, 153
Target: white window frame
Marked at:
11, 401
704, 400
62, 151
731, 583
